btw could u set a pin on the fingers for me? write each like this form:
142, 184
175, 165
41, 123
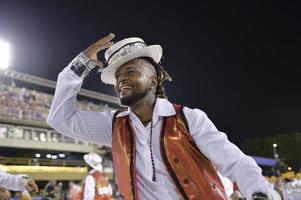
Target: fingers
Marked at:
35, 188
106, 39
31, 186
97, 63
104, 42
101, 44
104, 46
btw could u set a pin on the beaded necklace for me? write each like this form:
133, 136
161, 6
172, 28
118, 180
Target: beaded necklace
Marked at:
151, 152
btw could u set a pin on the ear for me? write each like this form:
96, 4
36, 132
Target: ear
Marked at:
154, 82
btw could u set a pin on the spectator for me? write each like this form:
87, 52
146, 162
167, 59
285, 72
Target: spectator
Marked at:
96, 184
74, 191
50, 189
5, 194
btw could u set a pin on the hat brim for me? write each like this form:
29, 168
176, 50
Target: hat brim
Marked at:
98, 167
153, 51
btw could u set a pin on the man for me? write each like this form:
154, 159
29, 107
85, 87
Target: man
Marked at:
17, 182
96, 185
160, 150
51, 189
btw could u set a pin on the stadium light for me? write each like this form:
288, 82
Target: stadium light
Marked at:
276, 155
4, 55
38, 155
61, 155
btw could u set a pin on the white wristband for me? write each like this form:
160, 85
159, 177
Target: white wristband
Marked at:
81, 65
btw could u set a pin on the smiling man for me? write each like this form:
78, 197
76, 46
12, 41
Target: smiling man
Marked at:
160, 150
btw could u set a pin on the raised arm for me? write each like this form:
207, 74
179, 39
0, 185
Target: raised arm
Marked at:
64, 116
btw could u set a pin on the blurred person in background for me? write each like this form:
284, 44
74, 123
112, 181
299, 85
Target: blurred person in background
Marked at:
50, 189
96, 185
25, 195
19, 182
74, 191
4, 194
59, 193
290, 190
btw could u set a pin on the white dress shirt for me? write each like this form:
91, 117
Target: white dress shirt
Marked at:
95, 127
13, 182
89, 190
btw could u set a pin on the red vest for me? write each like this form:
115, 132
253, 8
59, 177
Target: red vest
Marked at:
101, 186
192, 173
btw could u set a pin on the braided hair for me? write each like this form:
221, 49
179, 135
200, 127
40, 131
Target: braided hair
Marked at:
162, 75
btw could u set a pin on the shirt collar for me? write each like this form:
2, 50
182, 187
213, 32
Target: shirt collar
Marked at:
162, 108
91, 171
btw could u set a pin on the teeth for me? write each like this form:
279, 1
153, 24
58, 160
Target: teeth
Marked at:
125, 87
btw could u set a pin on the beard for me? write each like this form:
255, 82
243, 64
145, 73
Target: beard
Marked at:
130, 99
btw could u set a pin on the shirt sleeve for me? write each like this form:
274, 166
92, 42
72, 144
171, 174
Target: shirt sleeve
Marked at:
13, 182
89, 190
66, 119
229, 160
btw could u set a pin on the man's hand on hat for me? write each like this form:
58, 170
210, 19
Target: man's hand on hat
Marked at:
92, 50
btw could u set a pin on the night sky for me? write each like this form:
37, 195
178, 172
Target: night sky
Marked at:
237, 61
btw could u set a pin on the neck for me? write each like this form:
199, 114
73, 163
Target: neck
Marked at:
144, 108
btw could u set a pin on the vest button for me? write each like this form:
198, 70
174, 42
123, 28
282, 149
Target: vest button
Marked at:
186, 180
176, 160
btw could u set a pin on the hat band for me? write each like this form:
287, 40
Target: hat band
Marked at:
93, 163
125, 50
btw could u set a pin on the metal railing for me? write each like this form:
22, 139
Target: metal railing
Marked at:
41, 162
8, 131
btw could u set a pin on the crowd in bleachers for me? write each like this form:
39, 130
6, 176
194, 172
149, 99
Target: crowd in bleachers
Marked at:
22, 103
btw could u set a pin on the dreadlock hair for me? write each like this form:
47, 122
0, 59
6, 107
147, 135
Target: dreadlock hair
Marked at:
162, 75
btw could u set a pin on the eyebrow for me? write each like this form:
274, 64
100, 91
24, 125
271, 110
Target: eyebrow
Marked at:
126, 68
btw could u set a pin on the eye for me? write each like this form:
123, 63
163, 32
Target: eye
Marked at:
117, 76
131, 73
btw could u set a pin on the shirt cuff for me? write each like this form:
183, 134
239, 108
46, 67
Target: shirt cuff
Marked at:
81, 65
22, 182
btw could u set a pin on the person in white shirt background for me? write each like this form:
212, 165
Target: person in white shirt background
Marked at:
152, 160
96, 185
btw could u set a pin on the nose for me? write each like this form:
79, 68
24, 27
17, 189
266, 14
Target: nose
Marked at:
122, 77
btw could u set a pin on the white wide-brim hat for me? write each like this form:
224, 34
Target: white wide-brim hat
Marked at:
124, 51
94, 161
